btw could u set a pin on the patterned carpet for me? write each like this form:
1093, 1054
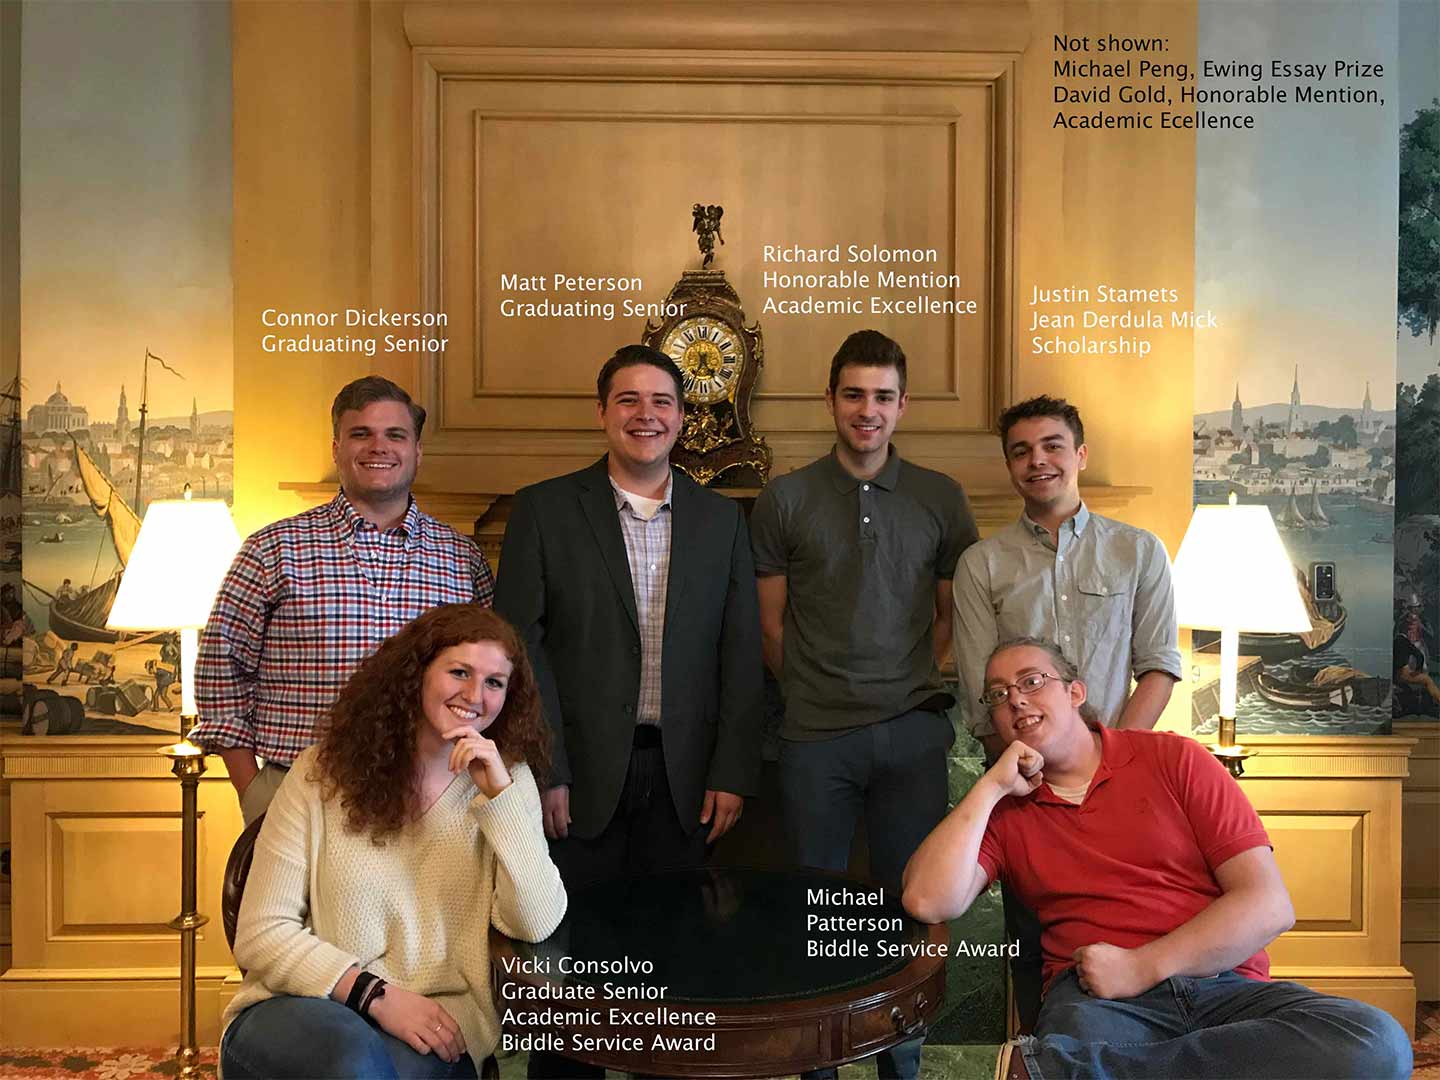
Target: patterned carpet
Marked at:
109, 1063
144, 1063
1427, 1040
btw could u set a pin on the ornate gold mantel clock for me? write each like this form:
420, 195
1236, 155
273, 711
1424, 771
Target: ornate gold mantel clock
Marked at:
720, 358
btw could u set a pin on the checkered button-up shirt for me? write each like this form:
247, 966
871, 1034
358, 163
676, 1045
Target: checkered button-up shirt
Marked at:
647, 547
305, 601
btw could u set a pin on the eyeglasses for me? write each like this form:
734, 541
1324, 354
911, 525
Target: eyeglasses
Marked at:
1026, 684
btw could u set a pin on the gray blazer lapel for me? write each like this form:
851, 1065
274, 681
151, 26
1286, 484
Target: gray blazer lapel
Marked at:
597, 499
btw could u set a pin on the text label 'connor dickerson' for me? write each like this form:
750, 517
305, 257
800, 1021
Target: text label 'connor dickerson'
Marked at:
298, 338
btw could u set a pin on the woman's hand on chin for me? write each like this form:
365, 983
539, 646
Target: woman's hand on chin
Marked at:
482, 757
419, 1022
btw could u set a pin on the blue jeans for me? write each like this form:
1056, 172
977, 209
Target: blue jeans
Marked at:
1225, 1026
297, 1038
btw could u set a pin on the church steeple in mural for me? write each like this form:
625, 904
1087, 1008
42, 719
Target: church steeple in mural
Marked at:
122, 419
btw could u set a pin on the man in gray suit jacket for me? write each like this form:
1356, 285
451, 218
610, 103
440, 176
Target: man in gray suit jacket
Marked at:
634, 589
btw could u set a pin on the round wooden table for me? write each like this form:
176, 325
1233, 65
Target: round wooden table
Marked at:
722, 972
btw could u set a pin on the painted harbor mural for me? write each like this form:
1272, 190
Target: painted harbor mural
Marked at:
1327, 474
125, 386
86, 486
1295, 391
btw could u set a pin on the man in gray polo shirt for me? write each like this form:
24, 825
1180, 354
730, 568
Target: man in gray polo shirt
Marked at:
854, 554
1099, 589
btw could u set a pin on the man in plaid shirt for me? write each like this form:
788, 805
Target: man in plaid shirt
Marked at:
309, 597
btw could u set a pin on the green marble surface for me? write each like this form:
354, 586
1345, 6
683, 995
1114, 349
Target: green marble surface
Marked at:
973, 1062
974, 1009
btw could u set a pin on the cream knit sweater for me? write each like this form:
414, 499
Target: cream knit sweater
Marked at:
416, 911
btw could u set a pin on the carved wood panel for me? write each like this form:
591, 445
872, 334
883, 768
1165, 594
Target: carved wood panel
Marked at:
537, 164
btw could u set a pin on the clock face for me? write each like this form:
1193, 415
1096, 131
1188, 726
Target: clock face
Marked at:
708, 353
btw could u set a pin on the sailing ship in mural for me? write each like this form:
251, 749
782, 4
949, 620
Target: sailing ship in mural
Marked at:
81, 617
1292, 517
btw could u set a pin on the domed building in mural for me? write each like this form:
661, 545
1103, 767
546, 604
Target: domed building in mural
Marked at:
56, 414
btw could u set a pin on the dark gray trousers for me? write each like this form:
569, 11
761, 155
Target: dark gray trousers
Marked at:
643, 837
894, 773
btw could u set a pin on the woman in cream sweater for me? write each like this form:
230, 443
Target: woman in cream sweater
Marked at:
392, 847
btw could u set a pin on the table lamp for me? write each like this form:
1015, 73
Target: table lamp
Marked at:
1232, 573
184, 548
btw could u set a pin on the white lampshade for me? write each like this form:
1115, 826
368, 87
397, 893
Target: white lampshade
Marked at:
184, 548
1233, 572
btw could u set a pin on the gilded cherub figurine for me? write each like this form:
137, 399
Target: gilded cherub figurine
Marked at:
707, 224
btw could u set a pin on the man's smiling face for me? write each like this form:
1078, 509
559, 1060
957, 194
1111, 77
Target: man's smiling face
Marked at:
641, 417
1044, 463
376, 452
1040, 716
866, 403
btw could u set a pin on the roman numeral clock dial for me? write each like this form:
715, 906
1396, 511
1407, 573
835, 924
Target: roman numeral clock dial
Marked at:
719, 358
708, 354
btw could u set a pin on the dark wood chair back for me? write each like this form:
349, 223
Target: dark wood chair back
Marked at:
237, 869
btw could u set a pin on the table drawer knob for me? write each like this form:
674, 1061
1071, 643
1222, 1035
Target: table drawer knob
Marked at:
898, 1018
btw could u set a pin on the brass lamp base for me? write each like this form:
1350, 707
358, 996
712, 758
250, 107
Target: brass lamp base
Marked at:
1232, 757
1227, 751
187, 762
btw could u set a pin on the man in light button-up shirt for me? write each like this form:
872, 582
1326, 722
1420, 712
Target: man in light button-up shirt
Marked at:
1098, 588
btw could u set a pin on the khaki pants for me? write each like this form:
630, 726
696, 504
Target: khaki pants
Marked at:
256, 799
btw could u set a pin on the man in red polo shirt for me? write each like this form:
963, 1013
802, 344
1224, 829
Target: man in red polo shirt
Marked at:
1157, 892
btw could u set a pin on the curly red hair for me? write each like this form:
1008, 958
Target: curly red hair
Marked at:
368, 739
